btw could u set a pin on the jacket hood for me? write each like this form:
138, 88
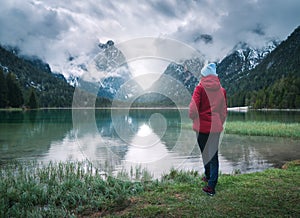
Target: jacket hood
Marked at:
209, 69
210, 82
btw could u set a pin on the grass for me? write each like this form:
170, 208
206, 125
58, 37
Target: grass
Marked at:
291, 130
11, 109
60, 190
255, 128
76, 189
272, 193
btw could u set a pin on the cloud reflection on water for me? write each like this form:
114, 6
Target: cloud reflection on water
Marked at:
148, 139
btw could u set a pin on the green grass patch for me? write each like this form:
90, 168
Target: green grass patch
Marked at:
272, 193
255, 128
61, 190
275, 129
11, 109
76, 189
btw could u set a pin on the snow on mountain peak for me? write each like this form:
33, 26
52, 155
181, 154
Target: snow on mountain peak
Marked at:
252, 56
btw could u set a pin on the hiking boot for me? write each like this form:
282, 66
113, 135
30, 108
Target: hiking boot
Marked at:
208, 190
204, 179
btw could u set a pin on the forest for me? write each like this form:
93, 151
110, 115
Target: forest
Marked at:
274, 83
15, 95
283, 94
11, 94
23, 79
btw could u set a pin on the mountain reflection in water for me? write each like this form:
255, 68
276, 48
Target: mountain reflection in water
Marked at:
151, 139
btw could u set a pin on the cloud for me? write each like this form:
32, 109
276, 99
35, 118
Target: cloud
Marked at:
259, 30
230, 22
204, 37
165, 8
54, 30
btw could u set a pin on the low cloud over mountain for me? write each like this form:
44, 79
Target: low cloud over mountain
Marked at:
56, 30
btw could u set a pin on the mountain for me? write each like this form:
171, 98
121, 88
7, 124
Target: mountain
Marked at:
265, 77
182, 74
282, 62
175, 85
177, 82
236, 65
38, 63
258, 77
273, 83
112, 63
194, 65
106, 73
52, 90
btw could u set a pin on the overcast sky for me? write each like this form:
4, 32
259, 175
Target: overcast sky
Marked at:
57, 29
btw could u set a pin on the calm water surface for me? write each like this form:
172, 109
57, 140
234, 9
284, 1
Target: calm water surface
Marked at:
151, 139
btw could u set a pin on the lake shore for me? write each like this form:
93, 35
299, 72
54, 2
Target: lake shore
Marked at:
263, 128
261, 194
236, 109
79, 190
74, 189
260, 128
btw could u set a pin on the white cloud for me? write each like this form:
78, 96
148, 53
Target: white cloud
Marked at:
55, 30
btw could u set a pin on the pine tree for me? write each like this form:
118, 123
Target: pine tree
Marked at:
15, 96
3, 90
32, 100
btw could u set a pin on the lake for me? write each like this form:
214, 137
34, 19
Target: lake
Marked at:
121, 139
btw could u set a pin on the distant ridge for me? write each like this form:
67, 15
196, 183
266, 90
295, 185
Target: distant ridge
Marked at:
52, 90
274, 82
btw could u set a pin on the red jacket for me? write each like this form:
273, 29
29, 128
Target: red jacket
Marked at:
208, 107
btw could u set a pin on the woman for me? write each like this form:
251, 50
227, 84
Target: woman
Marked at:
208, 110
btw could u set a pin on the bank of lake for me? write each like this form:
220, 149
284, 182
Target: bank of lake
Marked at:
75, 189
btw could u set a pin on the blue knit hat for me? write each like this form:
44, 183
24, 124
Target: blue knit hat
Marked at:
209, 69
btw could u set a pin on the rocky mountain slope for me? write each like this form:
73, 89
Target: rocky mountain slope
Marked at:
274, 82
243, 58
264, 77
52, 90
